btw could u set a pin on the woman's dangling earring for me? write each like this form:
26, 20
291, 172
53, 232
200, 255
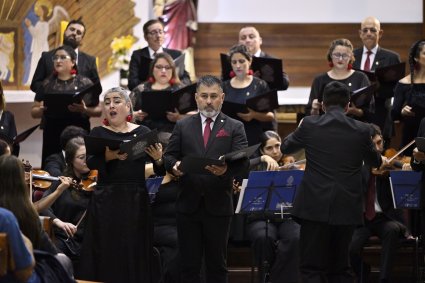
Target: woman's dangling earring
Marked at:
105, 122
250, 72
232, 74
349, 67
151, 80
172, 81
73, 72
331, 64
129, 118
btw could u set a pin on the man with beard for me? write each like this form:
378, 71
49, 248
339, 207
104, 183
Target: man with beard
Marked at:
86, 64
204, 204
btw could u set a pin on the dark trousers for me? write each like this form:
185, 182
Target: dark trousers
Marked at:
388, 231
324, 252
203, 235
280, 248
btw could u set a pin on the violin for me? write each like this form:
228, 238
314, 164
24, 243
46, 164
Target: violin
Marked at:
89, 182
295, 165
395, 161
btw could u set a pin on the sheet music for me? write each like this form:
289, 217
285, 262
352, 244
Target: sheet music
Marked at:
241, 193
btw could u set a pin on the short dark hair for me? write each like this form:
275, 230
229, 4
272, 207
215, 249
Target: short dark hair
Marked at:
375, 130
79, 22
336, 94
242, 49
69, 133
149, 23
209, 80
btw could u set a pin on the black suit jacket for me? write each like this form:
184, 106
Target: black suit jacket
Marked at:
55, 164
335, 147
86, 67
383, 58
138, 73
187, 140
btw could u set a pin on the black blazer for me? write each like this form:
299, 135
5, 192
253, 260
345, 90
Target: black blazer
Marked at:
86, 67
216, 191
335, 147
139, 73
383, 58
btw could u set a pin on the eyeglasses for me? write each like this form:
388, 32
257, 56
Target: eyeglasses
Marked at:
161, 67
156, 32
339, 55
60, 57
372, 30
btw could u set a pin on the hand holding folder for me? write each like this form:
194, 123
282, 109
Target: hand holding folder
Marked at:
196, 165
135, 148
265, 102
363, 96
158, 102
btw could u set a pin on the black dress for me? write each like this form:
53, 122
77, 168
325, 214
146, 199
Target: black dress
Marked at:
253, 128
8, 128
69, 207
117, 244
53, 123
414, 96
356, 81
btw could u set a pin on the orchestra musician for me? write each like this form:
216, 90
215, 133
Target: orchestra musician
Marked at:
328, 204
68, 211
119, 222
340, 58
380, 219
245, 85
279, 248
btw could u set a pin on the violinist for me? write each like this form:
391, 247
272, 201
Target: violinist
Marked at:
283, 257
68, 211
380, 219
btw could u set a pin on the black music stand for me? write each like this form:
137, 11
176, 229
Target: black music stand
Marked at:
406, 189
269, 193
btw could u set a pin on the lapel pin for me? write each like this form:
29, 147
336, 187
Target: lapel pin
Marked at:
377, 63
221, 121
349, 84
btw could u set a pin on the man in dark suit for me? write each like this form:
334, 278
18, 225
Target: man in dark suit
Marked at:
250, 37
86, 64
370, 33
381, 219
328, 202
153, 32
205, 205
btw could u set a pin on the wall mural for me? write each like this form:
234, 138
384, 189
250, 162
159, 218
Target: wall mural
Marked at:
30, 27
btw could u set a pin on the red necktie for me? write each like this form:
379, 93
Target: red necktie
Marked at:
367, 62
370, 199
207, 131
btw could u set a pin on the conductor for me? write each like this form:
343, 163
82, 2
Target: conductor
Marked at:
328, 203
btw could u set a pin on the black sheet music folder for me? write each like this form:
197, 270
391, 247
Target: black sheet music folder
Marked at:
363, 96
158, 102
135, 148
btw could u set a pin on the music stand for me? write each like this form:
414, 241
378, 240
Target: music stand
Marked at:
406, 189
269, 193
152, 186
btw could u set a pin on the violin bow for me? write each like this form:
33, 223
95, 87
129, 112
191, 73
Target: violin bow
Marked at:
292, 164
401, 151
